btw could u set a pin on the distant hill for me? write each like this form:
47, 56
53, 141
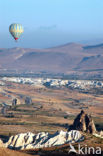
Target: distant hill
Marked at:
71, 57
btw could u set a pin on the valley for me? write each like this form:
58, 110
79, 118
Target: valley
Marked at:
52, 108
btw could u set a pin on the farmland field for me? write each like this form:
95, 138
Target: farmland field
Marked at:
52, 109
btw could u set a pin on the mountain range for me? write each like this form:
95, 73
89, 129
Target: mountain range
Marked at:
68, 58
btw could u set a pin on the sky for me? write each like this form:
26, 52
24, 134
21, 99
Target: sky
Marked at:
49, 23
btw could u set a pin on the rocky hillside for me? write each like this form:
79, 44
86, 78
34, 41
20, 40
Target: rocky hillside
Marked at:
32, 141
58, 143
67, 58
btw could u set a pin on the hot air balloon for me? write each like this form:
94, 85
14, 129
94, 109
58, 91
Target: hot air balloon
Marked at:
16, 30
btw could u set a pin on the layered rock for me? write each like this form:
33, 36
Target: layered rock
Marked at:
43, 139
99, 134
84, 122
1, 144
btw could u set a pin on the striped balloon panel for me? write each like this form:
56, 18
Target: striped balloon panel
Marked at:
16, 30
16, 34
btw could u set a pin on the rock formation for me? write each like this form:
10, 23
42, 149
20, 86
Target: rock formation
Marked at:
42, 139
1, 143
84, 122
99, 134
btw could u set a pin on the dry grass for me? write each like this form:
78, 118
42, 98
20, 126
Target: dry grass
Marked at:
56, 104
7, 152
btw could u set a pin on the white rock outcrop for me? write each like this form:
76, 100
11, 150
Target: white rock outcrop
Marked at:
99, 135
77, 84
1, 143
43, 139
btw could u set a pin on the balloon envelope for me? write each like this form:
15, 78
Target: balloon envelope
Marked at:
16, 30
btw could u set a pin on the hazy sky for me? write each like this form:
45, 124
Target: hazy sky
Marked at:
49, 23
